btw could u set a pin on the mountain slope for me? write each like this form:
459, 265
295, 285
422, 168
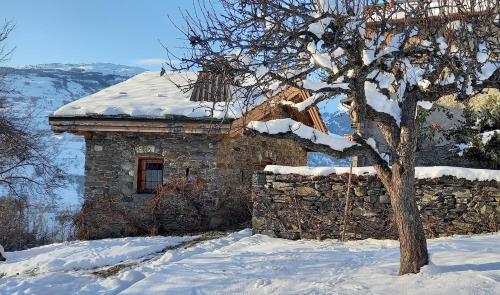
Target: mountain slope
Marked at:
339, 123
41, 89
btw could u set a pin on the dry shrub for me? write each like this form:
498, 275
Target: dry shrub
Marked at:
98, 218
23, 225
182, 197
236, 207
182, 205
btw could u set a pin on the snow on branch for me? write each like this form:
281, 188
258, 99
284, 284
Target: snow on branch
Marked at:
311, 101
282, 126
318, 85
318, 141
318, 27
488, 135
487, 70
425, 104
381, 103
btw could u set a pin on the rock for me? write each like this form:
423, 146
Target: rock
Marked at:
282, 185
465, 194
306, 191
359, 191
384, 199
370, 214
427, 198
486, 210
371, 199
472, 217
358, 211
322, 186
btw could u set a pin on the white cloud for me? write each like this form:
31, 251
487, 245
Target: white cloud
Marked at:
150, 61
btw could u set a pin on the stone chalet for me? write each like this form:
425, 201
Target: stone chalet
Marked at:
146, 132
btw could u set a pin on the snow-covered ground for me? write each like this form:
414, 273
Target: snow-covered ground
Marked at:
86, 255
243, 264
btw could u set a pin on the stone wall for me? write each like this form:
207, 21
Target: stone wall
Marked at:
294, 206
446, 155
239, 158
114, 208
221, 171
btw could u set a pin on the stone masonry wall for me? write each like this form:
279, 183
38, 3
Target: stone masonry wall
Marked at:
294, 206
111, 165
446, 155
240, 157
221, 171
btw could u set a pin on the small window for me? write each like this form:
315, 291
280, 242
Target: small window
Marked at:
150, 175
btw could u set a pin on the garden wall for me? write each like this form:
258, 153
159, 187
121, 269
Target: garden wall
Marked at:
294, 206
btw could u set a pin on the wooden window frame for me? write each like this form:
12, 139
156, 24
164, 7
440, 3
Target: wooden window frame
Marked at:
141, 173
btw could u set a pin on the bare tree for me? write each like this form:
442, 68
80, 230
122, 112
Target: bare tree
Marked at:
26, 158
27, 166
386, 58
5, 31
28, 173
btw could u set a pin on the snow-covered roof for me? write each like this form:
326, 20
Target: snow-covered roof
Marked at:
149, 95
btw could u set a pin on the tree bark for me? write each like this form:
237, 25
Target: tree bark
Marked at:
413, 245
401, 189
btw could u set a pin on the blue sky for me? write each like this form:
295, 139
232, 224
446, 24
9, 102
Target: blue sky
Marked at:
116, 31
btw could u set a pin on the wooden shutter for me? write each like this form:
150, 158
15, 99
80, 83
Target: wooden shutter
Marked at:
141, 176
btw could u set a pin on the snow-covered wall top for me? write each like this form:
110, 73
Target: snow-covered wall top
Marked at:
420, 172
149, 95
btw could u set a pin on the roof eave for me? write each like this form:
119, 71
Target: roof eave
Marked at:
166, 125
166, 118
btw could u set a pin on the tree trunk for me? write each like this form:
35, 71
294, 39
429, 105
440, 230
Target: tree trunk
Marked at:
413, 245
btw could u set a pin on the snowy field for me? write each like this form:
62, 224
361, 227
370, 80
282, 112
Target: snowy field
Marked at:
243, 264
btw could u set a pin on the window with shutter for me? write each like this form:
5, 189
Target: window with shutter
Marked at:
150, 175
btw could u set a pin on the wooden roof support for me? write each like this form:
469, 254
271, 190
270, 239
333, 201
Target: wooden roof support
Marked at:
87, 134
315, 114
266, 109
88, 126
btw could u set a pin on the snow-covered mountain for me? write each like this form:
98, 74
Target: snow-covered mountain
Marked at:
41, 89
339, 123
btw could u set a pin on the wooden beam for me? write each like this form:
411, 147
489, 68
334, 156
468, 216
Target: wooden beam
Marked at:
315, 114
88, 135
94, 125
